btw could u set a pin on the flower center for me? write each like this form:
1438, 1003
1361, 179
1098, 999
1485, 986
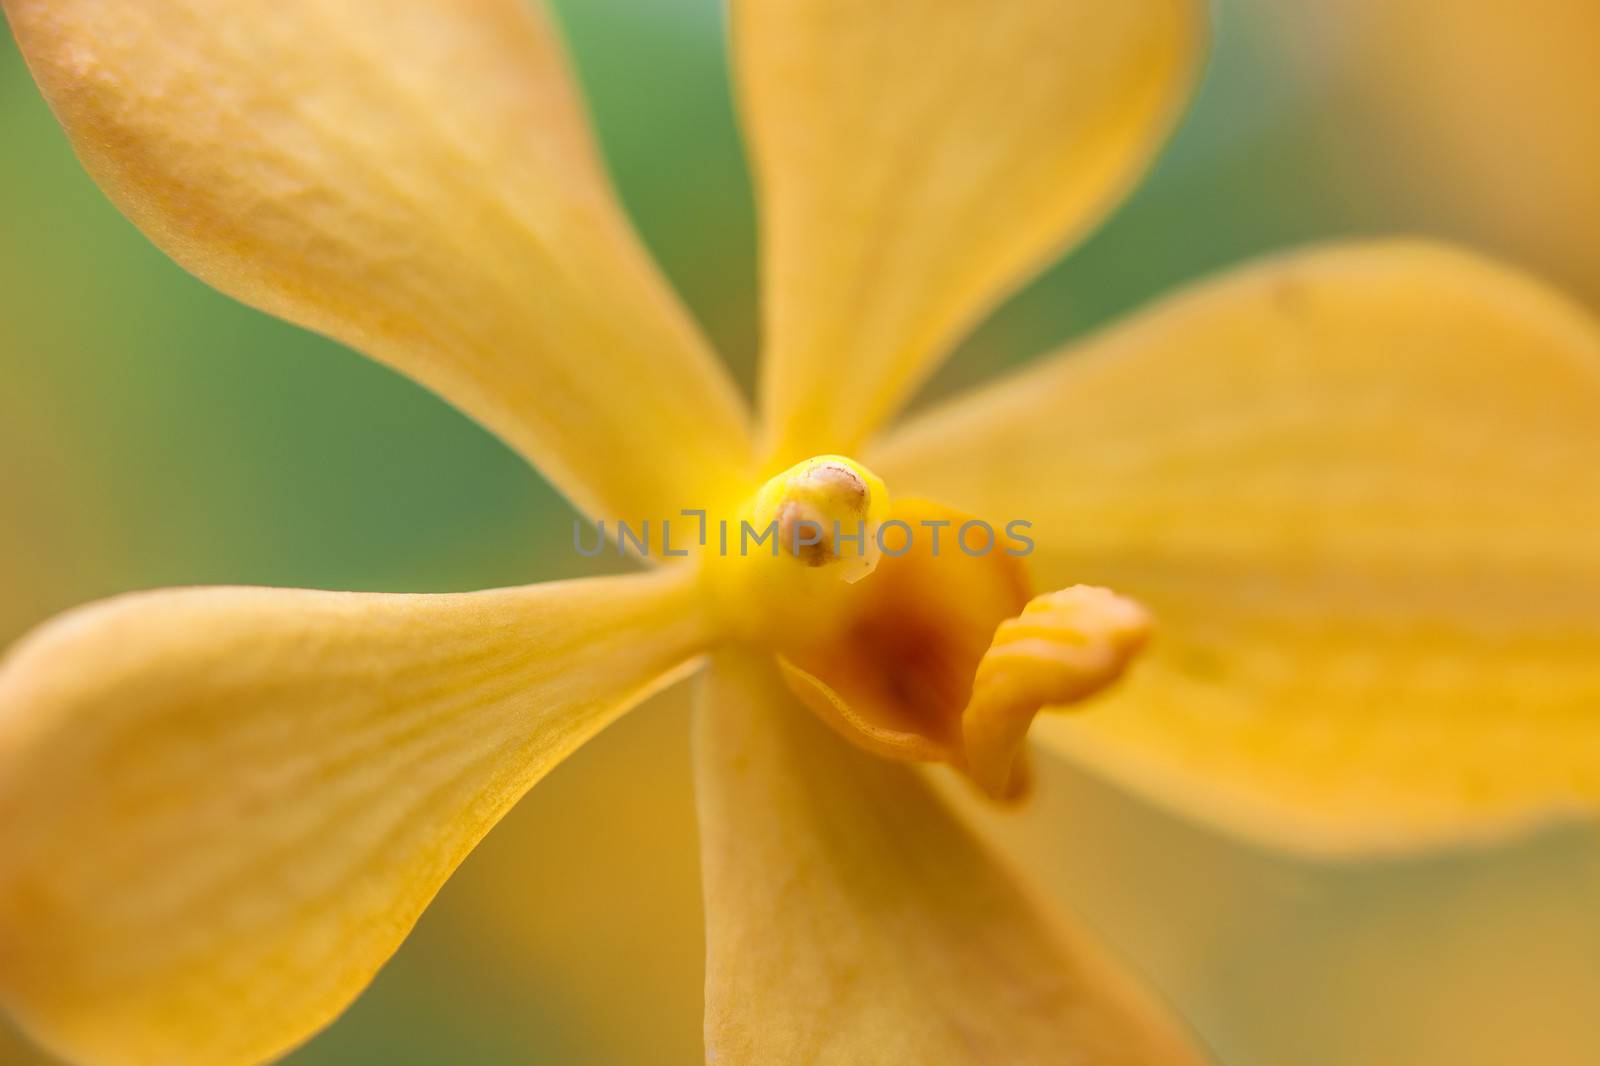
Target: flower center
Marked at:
785, 562
912, 627
826, 513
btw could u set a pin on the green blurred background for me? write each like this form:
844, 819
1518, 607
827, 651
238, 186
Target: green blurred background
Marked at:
153, 432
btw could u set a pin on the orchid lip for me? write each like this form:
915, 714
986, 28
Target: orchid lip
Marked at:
912, 649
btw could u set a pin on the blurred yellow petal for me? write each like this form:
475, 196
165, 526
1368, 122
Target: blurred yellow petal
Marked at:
851, 920
222, 809
416, 179
618, 934
915, 161
1359, 490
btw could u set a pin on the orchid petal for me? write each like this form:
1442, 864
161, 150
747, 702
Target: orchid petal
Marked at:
916, 160
852, 920
1359, 489
418, 180
222, 809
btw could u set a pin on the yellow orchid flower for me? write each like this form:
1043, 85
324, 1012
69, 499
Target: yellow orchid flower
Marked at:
1354, 487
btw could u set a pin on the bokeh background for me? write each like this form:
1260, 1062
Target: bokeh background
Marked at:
153, 432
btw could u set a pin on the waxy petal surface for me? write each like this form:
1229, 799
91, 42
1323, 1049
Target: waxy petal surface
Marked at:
853, 921
222, 809
418, 180
915, 160
1359, 489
